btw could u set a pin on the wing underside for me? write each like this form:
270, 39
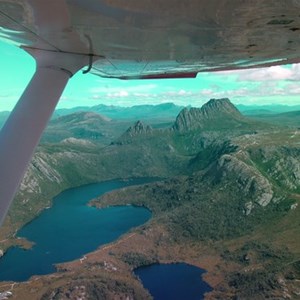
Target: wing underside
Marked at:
157, 39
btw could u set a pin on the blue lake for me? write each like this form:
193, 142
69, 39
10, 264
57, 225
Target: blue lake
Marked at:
173, 281
70, 229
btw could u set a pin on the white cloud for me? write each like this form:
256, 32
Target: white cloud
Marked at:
274, 73
176, 93
118, 94
292, 89
142, 95
206, 92
122, 94
267, 74
116, 89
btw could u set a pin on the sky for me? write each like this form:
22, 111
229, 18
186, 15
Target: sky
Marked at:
274, 85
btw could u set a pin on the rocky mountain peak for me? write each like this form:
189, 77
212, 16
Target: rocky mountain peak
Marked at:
138, 128
216, 113
220, 106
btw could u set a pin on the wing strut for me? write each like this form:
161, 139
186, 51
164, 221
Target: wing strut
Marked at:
22, 131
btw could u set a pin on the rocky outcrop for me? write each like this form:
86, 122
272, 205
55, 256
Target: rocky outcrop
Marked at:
220, 106
79, 142
282, 164
216, 113
40, 170
139, 128
253, 187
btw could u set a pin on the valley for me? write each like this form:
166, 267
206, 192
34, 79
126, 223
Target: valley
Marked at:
228, 200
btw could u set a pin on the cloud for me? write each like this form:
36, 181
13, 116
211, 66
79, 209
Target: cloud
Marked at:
267, 74
292, 89
274, 73
119, 94
175, 93
265, 85
207, 92
129, 89
143, 95
182, 92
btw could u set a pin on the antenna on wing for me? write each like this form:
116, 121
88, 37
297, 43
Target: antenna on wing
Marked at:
90, 55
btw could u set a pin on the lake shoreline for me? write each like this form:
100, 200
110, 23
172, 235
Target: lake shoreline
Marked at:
9, 230
108, 261
173, 281
155, 250
71, 228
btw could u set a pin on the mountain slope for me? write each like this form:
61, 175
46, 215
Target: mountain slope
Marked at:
145, 112
216, 114
83, 125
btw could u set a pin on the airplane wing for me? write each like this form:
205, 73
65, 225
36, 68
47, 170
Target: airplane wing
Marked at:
135, 39
131, 40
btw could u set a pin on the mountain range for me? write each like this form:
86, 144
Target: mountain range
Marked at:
230, 196
162, 115
169, 110
146, 112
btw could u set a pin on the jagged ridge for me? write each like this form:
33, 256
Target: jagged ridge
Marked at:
138, 128
216, 113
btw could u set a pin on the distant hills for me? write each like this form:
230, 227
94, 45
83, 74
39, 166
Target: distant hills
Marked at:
145, 112
168, 110
84, 125
291, 118
266, 109
161, 115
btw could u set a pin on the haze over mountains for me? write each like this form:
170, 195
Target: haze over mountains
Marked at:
168, 109
266, 109
161, 115
165, 110
231, 193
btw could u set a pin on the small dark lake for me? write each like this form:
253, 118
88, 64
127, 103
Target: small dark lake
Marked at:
70, 229
178, 281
